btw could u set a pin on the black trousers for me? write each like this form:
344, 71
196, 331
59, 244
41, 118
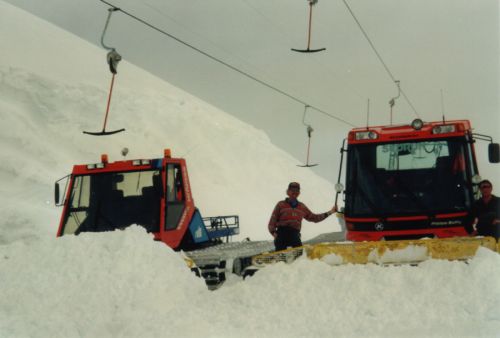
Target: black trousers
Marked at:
287, 237
485, 226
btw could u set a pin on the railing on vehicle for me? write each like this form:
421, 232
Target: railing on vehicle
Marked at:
222, 226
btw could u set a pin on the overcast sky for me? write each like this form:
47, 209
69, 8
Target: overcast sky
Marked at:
429, 45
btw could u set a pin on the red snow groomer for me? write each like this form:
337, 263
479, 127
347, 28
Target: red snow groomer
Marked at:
409, 194
155, 194
412, 181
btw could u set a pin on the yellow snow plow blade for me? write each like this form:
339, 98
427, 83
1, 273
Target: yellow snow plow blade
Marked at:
383, 252
402, 251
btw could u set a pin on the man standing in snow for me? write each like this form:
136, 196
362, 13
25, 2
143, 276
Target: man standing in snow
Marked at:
286, 219
487, 211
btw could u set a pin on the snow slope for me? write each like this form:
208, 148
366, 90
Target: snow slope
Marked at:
123, 284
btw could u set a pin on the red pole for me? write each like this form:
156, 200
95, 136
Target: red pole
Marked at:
109, 102
308, 147
310, 18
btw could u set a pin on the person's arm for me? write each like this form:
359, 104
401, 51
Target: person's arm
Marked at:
274, 219
311, 217
471, 228
497, 211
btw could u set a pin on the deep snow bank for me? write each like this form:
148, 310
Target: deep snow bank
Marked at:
124, 284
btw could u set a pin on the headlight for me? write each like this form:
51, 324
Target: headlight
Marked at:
366, 135
446, 128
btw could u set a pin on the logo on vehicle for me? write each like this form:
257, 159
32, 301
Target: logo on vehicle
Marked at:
198, 233
379, 226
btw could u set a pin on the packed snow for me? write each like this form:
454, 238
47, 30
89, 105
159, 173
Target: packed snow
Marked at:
52, 86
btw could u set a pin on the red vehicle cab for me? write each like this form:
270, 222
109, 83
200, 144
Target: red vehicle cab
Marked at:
153, 193
411, 181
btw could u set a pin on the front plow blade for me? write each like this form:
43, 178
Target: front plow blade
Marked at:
383, 252
400, 252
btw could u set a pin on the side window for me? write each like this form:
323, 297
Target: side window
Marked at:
80, 195
175, 187
175, 196
79, 204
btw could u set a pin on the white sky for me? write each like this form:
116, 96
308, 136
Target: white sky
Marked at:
124, 284
429, 45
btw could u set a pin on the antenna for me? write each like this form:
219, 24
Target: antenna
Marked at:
367, 113
442, 105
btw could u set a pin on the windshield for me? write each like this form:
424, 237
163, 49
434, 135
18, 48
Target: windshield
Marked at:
410, 178
110, 201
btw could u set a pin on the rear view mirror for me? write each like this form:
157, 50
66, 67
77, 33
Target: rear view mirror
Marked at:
494, 152
339, 187
56, 193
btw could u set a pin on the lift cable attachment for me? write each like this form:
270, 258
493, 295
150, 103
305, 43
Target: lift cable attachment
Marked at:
392, 102
309, 50
113, 58
220, 61
309, 130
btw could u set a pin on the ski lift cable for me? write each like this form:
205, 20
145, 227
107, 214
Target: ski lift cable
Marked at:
379, 56
206, 39
203, 37
225, 63
285, 36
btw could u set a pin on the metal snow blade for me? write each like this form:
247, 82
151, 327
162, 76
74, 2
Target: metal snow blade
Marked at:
113, 58
308, 49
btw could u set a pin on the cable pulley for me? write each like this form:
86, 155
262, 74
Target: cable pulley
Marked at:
112, 58
309, 50
309, 131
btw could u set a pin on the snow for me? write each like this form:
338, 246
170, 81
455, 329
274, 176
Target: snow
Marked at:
52, 86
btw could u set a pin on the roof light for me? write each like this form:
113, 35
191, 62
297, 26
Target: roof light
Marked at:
167, 153
366, 135
104, 158
417, 124
99, 165
90, 166
146, 162
443, 129
136, 162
